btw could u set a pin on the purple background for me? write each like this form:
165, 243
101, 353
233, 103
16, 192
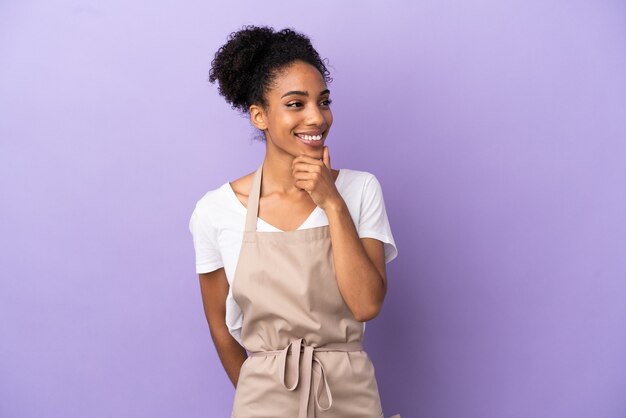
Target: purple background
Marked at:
497, 130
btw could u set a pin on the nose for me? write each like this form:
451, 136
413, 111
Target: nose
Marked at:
314, 116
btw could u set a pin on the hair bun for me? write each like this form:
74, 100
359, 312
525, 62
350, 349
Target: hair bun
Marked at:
245, 65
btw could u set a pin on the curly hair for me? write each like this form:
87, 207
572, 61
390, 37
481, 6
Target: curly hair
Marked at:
248, 63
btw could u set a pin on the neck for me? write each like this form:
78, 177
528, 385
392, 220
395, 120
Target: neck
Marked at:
278, 174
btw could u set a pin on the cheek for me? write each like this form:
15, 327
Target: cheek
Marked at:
329, 117
289, 122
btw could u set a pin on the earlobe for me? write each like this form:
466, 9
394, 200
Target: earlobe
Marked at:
257, 117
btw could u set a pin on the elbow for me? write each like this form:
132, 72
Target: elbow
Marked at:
367, 312
370, 307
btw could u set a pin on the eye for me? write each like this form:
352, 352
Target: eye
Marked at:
294, 104
327, 102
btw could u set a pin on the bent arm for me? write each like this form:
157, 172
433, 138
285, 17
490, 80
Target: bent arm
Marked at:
359, 264
214, 289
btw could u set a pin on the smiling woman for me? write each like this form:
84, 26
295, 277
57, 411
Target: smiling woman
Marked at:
302, 112
291, 257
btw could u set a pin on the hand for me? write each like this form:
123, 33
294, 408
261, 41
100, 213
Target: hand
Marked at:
316, 178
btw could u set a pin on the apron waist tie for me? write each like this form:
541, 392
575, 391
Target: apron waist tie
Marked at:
295, 347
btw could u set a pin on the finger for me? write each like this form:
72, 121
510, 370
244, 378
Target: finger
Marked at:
307, 159
326, 157
303, 184
305, 175
309, 168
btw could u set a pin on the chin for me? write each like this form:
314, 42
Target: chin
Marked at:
319, 154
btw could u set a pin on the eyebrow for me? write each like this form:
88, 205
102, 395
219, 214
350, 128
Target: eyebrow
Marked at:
303, 93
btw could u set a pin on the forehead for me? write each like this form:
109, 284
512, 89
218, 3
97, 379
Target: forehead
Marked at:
299, 76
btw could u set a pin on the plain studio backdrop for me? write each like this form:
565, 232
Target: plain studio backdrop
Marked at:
497, 129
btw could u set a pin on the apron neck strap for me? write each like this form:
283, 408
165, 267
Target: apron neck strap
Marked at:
253, 200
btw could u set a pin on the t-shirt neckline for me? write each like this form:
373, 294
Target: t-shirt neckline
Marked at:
242, 209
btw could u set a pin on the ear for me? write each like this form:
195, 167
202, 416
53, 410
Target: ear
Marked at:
258, 117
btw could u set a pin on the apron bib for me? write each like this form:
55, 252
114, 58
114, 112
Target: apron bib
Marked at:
306, 359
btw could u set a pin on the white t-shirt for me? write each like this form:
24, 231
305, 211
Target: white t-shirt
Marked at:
218, 220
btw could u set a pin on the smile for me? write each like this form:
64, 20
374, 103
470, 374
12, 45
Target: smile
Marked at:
310, 137
314, 141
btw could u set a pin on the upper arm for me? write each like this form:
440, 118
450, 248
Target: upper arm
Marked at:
205, 238
214, 288
373, 221
376, 253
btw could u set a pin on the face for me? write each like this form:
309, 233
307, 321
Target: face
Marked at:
297, 117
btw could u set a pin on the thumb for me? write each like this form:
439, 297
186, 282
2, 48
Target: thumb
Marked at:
326, 157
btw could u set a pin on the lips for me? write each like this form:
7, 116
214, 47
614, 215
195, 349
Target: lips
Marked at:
311, 138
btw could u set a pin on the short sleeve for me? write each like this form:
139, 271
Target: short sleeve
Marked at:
373, 221
208, 255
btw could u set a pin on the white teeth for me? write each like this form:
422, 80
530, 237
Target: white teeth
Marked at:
311, 137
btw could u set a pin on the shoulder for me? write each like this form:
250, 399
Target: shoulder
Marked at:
357, 181
353, 175
242, 186
221, 206
212, 197
224, 193
214, 207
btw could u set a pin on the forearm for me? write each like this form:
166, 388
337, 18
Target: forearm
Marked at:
360, 282
231, 353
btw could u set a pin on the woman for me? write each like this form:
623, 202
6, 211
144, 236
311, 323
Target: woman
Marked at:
272, 284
